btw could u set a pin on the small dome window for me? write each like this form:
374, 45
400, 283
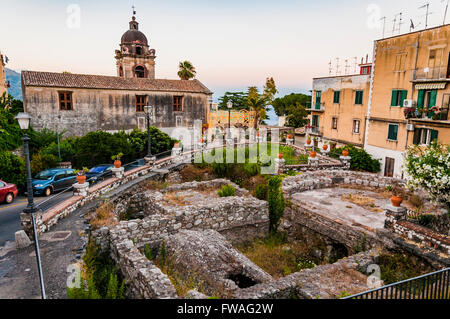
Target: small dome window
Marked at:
140, 72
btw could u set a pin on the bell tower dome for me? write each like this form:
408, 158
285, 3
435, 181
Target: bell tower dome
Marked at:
135, 59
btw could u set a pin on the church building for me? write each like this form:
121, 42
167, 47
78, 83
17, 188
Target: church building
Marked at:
79, 103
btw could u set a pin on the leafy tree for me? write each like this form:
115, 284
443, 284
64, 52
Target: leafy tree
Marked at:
276, 202
12, 168
239, 100
10, 133
284, 105
186, 70
298, 116
41, 162
259, 102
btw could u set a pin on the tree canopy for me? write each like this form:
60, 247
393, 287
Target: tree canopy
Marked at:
282, 106
186, 70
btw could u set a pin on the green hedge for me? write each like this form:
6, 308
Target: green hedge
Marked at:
12, 168
361, 160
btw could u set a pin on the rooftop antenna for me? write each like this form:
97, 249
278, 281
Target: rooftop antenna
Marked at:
337, 66
134, 10
400, 23
330, 68
356, 64
347, 67
384, 25
446, 10
427, 14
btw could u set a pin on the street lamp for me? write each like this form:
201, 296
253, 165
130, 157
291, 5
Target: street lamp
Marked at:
148, 109
24, 123
230, 106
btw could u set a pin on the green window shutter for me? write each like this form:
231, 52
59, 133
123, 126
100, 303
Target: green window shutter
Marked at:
404, 97
433, 97
394, 98
434, 136
421, 98
393, 132
359, 97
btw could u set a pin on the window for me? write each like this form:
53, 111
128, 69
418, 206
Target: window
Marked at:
435, 58
423, 136
445, 107
400, 63
138, 50
393, 132
334, 123
366, 70
177, 103
65, 101
140, 102
2, 184
179, 121
389, 167
356, 126
359, 97
398, 97
427, 99
318, 99
139, 71
337, 97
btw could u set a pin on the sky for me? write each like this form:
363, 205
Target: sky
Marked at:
233, 44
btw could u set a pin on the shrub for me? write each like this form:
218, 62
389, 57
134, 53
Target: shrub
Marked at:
227, 191
12, 168
429, 169
262, 191
426, 219
360, 159
276, 202
251, 169
41, 162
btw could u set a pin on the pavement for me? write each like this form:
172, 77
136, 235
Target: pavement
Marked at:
10, 214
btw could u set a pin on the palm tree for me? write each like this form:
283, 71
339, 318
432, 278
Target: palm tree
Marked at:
186, 70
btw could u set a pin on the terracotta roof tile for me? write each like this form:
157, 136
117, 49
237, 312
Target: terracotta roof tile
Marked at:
86, 81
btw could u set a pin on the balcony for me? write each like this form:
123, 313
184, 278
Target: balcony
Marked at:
433, 114
317, 108
430, 74
313, 130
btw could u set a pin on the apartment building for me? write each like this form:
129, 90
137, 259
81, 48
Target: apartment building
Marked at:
409, 95
339, 107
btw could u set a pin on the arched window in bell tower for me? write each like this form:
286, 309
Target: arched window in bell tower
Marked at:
139, 50
139, 71
121, 71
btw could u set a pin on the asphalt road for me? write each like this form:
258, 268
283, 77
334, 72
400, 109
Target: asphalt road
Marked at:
10, 215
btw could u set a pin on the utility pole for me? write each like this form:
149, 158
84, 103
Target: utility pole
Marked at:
446, 9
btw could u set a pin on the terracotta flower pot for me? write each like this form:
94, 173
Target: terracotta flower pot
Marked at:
117, 163
290, 136
257, 133
313, 154
325, 147
280, 156
396, 201
308, 142
345, 153
176, 145
81, 179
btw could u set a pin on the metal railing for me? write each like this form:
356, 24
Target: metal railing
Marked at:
52, 201
440, 73
430, 286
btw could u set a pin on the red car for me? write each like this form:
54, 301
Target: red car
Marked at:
8, 192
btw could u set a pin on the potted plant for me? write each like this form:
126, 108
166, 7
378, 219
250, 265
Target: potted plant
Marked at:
313, 154
280, 155
290, 136
398, 194
345, 153
81, 175
325, 146
116, 159
308, 140
176, 145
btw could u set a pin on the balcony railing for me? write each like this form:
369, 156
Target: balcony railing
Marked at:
317, 107
314, 130
430, 74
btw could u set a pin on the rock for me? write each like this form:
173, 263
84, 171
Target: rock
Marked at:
194, 294
22, 240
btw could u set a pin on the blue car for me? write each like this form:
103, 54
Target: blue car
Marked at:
53, 180
99, 172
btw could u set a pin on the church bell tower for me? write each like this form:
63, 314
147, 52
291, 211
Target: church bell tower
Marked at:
135, 59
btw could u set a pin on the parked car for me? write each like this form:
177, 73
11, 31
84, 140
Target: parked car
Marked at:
135, 164
99, 172
53, 180
8, 192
